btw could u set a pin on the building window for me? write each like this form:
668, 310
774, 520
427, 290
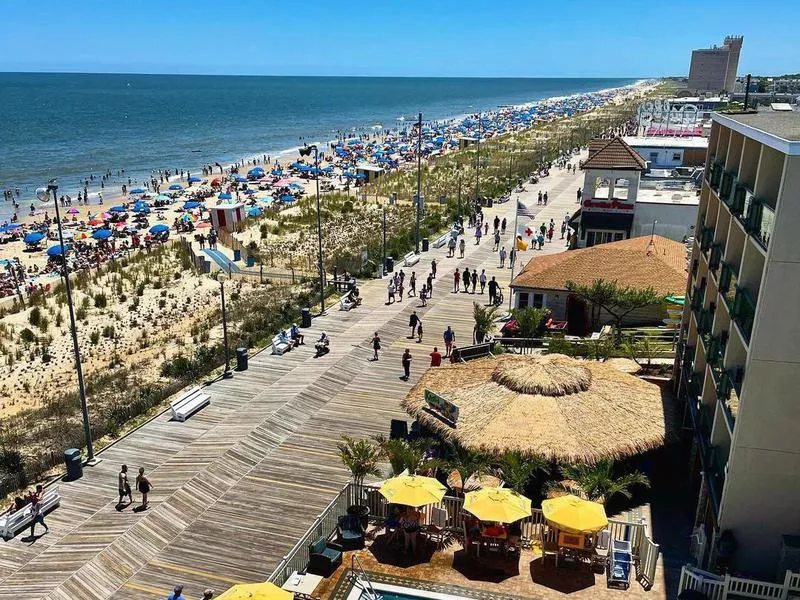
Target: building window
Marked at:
538, 300
522, 300
676, 156
594, 238
621, 186
654, 157
618, 236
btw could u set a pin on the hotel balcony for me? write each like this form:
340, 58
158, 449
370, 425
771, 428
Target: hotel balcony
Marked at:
760, 222
744, 312
728, 280
706, 238
727, 187
715, 353
729, 389
715, 463
715, 258
705, 320
698, 297
715, 176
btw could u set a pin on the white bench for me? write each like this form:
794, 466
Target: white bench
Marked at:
279, 346
346, 302
442, 240
410, 259
189, 403
11, 523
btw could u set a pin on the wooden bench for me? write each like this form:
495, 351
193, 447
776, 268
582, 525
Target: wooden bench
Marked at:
11, 523
346, 302
465, 353
279, 346
189, 403
410, 259
443, 239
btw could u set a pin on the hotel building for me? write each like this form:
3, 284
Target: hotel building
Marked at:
714, 69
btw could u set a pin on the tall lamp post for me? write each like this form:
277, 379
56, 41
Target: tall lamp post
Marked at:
306, 151
419, 177
227, 373
478, 163
43, 194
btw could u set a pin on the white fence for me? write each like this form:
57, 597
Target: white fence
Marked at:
718, 587
645, 551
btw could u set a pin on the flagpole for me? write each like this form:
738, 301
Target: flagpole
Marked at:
514, 249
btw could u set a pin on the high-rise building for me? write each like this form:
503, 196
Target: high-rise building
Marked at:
739, 352
714, 69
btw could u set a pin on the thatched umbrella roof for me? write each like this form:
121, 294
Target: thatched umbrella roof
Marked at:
553, 405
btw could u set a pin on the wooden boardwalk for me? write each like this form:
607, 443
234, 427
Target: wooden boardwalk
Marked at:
239, 482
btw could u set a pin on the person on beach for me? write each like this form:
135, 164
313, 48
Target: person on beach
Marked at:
463, 246
412, 284
36, 510
406, 361
456, 281
412, 322
376, 345
482, 279
124, 485
144, 486
449, 337
502, 257
436, 357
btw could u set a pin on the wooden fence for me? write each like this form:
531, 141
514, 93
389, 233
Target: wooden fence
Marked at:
722, 587
645, 551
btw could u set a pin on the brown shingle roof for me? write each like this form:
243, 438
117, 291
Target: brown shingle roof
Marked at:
615, 154
626, 262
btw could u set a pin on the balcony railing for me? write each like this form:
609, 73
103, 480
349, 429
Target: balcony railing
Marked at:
726, 188
761, 222
698, 296
716, 465
715, 258
737, 204
744, 311
715, 349
728, 278
706, 238
705, 321
716, 175
729, 388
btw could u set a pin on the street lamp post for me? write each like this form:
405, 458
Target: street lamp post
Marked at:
52, 187
306, 151
227, 373
419, 177
478, 162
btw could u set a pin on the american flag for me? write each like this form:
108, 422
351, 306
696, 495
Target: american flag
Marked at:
524, 211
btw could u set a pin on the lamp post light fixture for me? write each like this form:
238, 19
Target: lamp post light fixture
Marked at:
220, 277
43, 194
306, 151
419, 178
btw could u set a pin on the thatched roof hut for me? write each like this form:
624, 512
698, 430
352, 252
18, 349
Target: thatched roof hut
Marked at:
553, 405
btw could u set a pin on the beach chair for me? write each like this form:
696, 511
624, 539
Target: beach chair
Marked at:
620, 563
435, 529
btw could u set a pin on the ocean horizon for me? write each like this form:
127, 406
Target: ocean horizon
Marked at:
71, 125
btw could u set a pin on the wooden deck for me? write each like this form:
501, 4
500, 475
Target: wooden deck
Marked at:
240, 481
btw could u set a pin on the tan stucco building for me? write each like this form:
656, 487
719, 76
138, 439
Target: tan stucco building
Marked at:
740, 346
714, 69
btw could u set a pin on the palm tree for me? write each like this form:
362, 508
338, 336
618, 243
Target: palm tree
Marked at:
466, 462
518, 470
484, 320
598, 482
405, 456
361, 457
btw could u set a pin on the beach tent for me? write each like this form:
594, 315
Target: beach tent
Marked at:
57, 250
176, 187
160, 228
102, 234
138, 190
224, 196
34, 237
254, 212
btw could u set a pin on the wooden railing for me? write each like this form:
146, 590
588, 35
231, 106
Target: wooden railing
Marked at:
645, 551
722, 587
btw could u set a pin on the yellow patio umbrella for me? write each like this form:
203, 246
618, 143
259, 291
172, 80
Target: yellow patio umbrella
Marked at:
575, 515
503, 505
256, 591
412, 490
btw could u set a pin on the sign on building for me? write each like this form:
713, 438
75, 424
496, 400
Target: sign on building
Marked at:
442, 407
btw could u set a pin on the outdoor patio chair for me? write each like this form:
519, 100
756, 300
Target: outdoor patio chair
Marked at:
324, 557
549, 542
601, 549
435, 530
619, 565
350, 532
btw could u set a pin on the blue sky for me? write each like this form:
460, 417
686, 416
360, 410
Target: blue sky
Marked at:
498, 38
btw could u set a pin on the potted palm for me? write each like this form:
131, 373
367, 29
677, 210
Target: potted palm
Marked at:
600, 482
361, 457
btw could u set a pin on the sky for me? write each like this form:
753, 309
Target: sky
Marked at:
464, 38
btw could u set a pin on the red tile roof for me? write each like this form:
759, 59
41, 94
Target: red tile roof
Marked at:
627, 262
615, 154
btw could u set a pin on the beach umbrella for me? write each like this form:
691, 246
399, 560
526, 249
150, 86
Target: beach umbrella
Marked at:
160, 228
138, 190
551, 405
176, 187
191, 204
141, 208
188, 217
255, 591
276, 172
11, 227
117, 209
73, 211
239, 179
216, 182
502, 505
361, 176
287, 198
575, 515
34, 237
194, 180
95, 222
104, 216
253, 212
256, 172
102, 234
57, 250
412, 490
295, 186
224, 196
163, 198
328, 169
249, 192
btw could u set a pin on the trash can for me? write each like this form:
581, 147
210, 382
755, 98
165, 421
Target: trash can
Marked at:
237, 255
425, 244
389, 264
241, 359
74, 463
251, 260
305, 316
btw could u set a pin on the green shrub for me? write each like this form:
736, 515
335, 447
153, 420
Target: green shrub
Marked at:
100, 300
27, 336
35, 316
94, 337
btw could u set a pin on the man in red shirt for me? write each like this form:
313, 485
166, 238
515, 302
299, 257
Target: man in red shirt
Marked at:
436, 357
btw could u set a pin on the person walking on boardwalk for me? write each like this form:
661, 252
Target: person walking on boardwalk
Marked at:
462, 245
423, 295
124, 485
474, 279
503, 226
478, 234
376, 345
412, 284
177, 593
496, 222
399, 289
449, 337
144, 486
482, 279
493, 287
465, 278
456, 281
433, 268
412, 322
451, 248
539, 199
406, 360
502, 257
429, 283
36, 509
544, 198
578, 194
512, 258
419, 331
496, 240
390, 290
436, 357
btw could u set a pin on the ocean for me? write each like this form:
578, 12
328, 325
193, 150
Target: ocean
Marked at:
71, 125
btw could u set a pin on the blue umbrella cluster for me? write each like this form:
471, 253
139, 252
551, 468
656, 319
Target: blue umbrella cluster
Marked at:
58, 250
102, 234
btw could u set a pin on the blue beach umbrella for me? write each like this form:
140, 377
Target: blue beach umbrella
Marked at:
224, 196
57, 250
349, 174
160, 228
11, 227
118, 209
295, 186
287, 198
102, 234
176, 187
138, 190
239, 179
249, 192
141, 207
253, 212
34, 237
277, 172
190, 205
361, 176
194, 180
328, 170
256, 172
